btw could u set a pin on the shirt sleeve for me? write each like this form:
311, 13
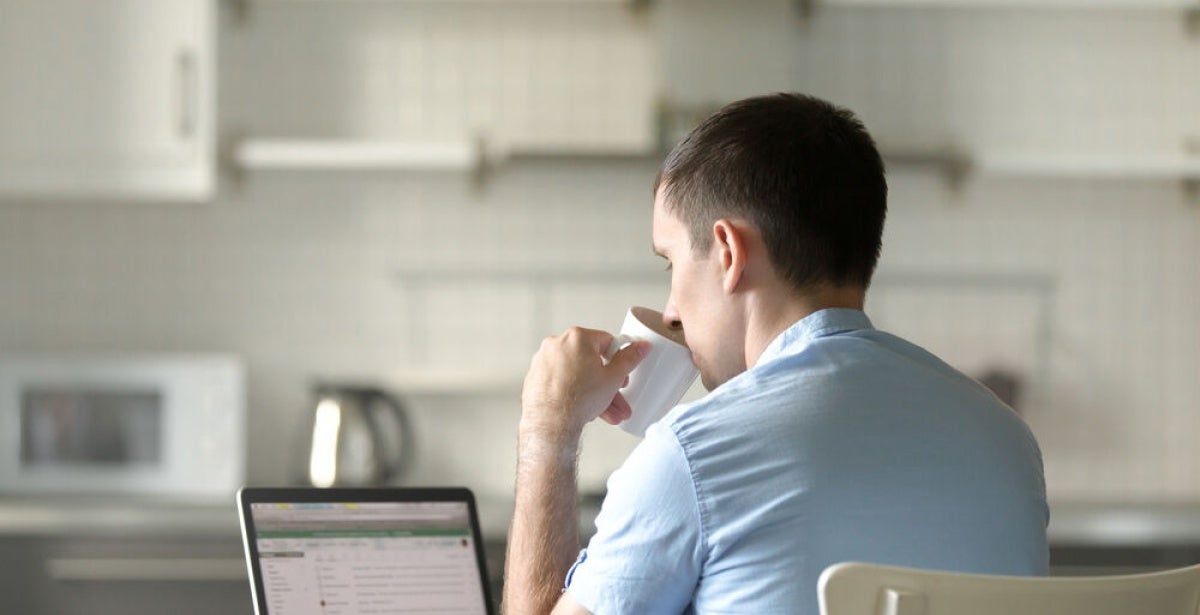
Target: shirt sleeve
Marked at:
647, 553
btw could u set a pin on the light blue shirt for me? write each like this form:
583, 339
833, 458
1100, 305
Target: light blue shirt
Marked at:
841, 443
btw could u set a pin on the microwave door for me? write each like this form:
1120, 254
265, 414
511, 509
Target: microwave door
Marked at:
90, 430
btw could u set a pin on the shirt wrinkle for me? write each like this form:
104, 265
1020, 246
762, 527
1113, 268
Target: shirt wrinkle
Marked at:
696, 493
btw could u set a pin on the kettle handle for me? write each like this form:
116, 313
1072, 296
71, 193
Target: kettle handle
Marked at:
397, 466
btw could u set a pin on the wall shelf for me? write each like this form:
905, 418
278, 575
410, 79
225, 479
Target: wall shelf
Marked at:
476, 159
346, 155
240, 9
415, 381
481, 2
1189, 9
1095, 166
443, 382
1023, 4
956, 167
429, 383
532, 275
541, 282
343, 155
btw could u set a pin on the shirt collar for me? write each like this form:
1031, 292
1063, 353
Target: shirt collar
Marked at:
818, 324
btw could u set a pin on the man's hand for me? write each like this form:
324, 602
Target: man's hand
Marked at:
568, 384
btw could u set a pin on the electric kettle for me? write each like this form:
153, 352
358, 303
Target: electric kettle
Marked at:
359, 437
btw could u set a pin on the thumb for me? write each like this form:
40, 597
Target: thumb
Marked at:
628, 358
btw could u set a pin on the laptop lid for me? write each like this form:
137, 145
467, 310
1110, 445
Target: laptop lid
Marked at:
377, 550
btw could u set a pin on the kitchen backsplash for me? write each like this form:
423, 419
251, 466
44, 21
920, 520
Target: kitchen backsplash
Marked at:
1086, 290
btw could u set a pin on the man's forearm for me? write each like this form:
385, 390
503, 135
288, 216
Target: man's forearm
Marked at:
543, 540
567, 386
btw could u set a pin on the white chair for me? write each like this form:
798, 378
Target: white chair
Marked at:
868, 589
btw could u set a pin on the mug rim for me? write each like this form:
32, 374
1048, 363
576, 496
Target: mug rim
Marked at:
655, 324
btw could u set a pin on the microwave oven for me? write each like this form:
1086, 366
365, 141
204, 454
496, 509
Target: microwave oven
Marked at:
152, 425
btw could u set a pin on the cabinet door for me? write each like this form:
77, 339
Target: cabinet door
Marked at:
127, 575
106, 98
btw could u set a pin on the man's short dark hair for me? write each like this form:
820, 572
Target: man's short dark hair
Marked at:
803, 171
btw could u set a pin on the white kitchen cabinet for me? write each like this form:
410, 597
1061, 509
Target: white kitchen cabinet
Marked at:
107, 99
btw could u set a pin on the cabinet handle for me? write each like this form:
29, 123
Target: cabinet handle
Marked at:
185, 70
146, 569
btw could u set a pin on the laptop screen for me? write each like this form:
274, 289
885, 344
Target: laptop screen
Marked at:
330, 558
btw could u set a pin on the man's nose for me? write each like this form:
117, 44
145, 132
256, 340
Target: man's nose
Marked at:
671, 318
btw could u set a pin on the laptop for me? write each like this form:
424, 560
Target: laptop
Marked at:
342, 551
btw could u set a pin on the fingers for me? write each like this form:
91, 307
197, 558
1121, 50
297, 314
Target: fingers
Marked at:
568, 384
618, 411
598, 341
593, 339
628, 357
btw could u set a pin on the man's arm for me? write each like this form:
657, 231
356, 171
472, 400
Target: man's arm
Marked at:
567, 386
543, 540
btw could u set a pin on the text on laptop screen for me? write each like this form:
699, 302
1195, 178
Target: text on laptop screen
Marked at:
368, 557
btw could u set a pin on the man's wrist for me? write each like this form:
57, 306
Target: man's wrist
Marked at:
539, 442
551, 426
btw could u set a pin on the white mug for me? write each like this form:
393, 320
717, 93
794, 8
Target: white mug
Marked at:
663, 376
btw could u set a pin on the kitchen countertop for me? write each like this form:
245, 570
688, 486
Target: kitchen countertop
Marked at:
96, 516
1124, 524
106, 516
1072, 522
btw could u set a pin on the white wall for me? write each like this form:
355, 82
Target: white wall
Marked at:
1087, 288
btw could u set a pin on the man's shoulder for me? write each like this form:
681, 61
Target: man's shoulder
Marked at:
834, 385
786, 378
727, 422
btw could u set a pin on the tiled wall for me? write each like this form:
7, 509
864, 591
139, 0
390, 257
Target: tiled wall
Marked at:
1087, 289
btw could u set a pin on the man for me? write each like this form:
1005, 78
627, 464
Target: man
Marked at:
821, 439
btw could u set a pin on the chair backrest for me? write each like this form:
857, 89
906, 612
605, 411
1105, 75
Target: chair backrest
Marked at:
868, 589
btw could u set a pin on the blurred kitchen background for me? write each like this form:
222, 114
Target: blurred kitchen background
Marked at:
412, 194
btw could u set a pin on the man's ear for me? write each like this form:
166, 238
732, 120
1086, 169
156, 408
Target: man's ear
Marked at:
730, 242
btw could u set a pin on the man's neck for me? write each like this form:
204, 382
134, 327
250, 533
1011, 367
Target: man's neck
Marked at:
775, 313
